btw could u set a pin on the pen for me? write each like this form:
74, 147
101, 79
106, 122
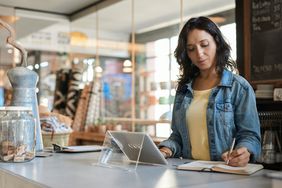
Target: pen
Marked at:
231, 149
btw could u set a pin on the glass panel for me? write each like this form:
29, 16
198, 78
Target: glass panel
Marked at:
161, 47
157, 48
229, 31
163, 72
174, 69
113, 50
161, 69
150, 49
173, 42
121, 150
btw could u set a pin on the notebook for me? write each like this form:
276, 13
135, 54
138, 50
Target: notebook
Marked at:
77, 149
130, 143
220, 166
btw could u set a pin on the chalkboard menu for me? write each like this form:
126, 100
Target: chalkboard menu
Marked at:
266, 40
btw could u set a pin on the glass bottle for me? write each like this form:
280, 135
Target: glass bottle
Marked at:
17, 134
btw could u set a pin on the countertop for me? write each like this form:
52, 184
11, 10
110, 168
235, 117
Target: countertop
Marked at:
81, 170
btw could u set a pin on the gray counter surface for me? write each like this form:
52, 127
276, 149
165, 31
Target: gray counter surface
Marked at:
79, 170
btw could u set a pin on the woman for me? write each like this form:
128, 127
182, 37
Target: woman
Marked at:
212, 105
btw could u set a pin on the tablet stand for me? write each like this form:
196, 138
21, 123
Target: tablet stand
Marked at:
113, 155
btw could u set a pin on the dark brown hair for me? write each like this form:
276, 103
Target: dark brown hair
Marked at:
187, 70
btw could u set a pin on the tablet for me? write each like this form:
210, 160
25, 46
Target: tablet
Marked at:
130, 143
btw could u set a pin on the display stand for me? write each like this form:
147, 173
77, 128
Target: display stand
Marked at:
114, 153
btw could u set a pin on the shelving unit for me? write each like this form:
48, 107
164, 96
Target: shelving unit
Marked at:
270, 115
79, 137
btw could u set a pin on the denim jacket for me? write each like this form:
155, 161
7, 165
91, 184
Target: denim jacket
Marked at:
231, 113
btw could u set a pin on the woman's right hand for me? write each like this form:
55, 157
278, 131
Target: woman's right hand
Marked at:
166, 152
238, 157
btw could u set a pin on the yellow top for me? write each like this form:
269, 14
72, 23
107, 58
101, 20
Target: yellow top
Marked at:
197, 125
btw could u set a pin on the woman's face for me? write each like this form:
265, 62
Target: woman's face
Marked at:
201, 49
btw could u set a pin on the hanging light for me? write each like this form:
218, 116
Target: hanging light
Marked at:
127, 63
127, 66
133, 102
78, 37
217, 19
181, 15
9, 19
127, 69
98, 69
75, 60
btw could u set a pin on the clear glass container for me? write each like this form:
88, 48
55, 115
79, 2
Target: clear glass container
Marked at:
17, 134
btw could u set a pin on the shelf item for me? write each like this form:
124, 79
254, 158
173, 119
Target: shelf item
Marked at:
267, 87
80, 115
264, 91
74, 91
154, 86
166, 100
61, 90
152, 100
55, 138
173, 84
163, 100
94, 103
277, 94
164, 85
264, 94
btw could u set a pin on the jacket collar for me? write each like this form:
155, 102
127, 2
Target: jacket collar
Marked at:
226, 80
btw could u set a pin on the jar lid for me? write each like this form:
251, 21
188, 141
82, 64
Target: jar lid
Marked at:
15, 108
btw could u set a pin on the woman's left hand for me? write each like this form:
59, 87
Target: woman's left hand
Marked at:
238, 157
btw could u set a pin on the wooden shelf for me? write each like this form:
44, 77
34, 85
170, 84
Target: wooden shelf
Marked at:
268, 105
76, 138
146, 73
137, 121
96, 138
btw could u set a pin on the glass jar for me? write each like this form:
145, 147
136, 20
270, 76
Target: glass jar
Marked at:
17, 134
